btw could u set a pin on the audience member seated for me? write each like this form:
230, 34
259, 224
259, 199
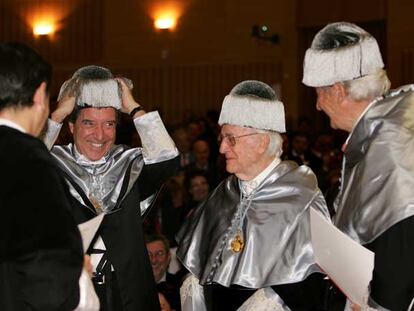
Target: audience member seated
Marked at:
167, 284
202, 161
198, 189
182, 141
301, 153
171, 211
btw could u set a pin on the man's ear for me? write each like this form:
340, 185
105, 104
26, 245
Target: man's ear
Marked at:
39, 97
340, 91
264, 143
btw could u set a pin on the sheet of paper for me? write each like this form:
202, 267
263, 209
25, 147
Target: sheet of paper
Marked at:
88, 230
348, 264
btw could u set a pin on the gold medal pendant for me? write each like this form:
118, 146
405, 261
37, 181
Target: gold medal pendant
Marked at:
237, 244
96, 204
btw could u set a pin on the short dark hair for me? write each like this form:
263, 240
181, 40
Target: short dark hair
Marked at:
73, 116
158, 237
75, 113
22, 71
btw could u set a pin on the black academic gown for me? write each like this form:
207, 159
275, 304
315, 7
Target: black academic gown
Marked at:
40, 246
122, 234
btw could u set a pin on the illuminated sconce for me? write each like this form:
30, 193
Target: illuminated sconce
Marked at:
164, 23
43, 29
166, 13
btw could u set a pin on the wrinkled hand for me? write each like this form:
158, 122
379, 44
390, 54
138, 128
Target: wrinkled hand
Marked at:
64, 108
128, 101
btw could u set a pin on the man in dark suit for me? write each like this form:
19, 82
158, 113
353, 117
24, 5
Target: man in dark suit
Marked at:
167, 284
40, 246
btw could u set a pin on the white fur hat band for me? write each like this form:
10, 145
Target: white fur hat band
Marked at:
94, 86
253, 104
340, 52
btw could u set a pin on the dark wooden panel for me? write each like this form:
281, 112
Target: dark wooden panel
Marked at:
320, 12
407, 66
78, 35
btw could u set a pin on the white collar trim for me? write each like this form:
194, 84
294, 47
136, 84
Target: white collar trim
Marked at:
12, 124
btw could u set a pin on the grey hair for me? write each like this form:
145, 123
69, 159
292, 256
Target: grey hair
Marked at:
275, 143
368, 87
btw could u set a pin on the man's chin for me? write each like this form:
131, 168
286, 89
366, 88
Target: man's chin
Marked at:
94, 155
230, 169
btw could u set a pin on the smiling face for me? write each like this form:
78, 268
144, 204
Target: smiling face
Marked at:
159, 257
342, 110
94, 132
199, 188
334, 102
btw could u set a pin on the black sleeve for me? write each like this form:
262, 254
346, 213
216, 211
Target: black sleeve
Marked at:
392, 284
154, 175
306, 295
45, 244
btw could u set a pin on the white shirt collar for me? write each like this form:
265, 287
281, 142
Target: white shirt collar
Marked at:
12, 124
163, 279
247, 187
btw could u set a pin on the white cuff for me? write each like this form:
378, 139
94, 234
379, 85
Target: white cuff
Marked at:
52, 133
157, 145
192, 295
264, 299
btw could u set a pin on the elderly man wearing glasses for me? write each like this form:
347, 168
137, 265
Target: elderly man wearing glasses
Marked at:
253, 231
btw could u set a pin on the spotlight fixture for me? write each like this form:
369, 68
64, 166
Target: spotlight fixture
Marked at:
261, 33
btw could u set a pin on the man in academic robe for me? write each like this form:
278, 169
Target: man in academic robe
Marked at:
253, 230
113, 179
41, 256
375, 205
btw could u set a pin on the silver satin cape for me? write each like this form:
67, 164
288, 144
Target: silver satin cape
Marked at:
378, 169
102, 183
275, 229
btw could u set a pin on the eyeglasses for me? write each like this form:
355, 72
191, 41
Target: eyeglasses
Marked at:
156, 254
232, 139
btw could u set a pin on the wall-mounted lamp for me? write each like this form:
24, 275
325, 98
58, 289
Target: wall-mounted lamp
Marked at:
43, 29
261, 32
165, 23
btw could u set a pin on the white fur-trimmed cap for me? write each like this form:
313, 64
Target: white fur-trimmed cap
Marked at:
253, 104
340, 52
94, 86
